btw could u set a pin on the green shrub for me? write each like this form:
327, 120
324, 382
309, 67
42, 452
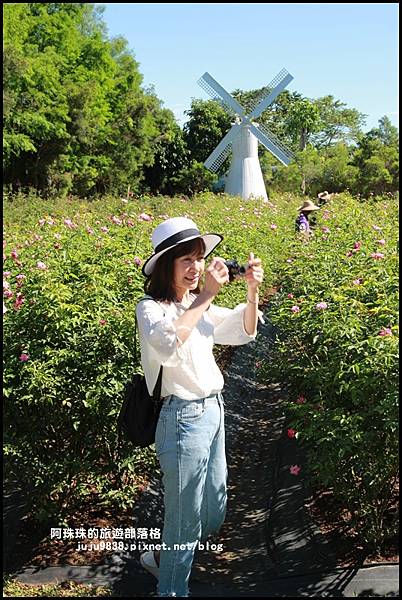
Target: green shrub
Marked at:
338, 350
71, 316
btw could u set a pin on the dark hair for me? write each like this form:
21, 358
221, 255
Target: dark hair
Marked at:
160, 284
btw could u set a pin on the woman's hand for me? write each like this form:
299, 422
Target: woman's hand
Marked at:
254, 273
216, 275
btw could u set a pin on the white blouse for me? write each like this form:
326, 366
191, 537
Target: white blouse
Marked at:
189, 368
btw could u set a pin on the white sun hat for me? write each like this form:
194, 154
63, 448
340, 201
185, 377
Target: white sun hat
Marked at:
175, 231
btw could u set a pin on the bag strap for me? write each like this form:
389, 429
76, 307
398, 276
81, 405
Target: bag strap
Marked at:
156, 394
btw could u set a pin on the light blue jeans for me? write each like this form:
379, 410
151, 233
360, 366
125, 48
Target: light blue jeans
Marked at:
190, 444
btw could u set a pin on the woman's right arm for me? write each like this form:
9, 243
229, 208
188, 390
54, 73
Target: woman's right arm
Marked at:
216, 275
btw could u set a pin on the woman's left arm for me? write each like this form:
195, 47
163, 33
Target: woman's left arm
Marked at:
253, 276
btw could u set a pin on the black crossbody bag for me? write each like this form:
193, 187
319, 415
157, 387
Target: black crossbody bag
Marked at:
139, 413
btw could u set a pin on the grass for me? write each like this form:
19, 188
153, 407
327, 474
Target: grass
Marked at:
15, 589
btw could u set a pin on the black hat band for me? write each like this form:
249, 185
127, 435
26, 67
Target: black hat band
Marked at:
174, 239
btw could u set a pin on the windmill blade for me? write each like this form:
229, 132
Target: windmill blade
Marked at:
216, 91
271, 142
216, 158
274, 89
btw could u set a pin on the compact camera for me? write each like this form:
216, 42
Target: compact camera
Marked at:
235, 270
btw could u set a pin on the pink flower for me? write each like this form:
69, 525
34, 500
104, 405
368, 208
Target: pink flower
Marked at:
104, 229
300, 400
50, 221
19, 301
349, 253
137, 261
290, 296
376, 228
357, 281
273, 226
295, 469
289, 260
24, 357
102, 322
90, 230
68, 223
8, 294
41, 222
6, 285
326, 215
385, 331
295, 309
6, 273
258, 364
144, 217
14, 254
20, 277
377, 255
57, 236
129, 223
325, 229
381, 242
4, 308
356, 246
321, 306
41, 265
116, 220
291, 433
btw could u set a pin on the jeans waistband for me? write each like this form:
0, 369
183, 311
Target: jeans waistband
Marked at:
212, 398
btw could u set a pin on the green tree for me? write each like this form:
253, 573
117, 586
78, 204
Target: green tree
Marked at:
337, 123
194, 178
208, 123
377, 158
337, 172
76, 117
303, 120
170, 155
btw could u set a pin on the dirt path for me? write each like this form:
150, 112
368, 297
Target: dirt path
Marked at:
253, 423
267, 532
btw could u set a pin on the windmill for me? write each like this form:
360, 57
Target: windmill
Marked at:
244, 177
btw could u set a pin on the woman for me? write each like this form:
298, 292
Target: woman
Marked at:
178, 325
302, 223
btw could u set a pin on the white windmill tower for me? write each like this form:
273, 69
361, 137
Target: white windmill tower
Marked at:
244, 177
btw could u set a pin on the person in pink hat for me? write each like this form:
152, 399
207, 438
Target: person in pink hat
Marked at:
178, 324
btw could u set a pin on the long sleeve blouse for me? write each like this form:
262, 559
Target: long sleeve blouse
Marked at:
189, 368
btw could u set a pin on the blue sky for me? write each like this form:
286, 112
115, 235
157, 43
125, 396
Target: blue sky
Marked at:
347, 50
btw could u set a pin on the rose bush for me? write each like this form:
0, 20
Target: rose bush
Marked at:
340, 351
72, 277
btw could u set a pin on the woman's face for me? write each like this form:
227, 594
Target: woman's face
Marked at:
188, 270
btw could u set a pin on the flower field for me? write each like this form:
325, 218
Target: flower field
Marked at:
337, 348
72, 277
